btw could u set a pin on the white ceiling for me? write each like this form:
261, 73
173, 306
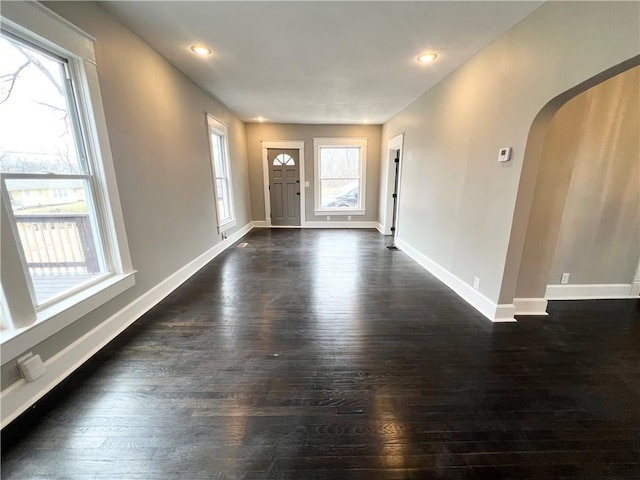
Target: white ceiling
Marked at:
319, 62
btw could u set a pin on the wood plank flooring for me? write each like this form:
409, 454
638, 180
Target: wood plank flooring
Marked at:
320, 354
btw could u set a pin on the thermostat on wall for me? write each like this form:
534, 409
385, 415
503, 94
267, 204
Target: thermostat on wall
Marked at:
504, 155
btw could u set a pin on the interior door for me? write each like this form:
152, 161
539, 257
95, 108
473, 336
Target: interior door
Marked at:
284, 186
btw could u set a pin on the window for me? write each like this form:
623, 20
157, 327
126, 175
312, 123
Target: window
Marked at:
340, 165
67, 251
221, 174
284, 159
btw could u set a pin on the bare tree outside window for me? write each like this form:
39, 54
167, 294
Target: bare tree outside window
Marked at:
32, 98
45, 177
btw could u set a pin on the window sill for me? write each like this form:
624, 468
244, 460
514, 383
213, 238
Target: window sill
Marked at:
341, 211
228, 225
51, 320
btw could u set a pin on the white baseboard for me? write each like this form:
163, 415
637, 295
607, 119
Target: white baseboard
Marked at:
348, 224
530, 306
504, 313
635, 289
582, 292
340, 224
491, 310
21, 395
380, 228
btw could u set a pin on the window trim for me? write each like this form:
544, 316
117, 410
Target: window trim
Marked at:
38, 25
215, 126
352, 142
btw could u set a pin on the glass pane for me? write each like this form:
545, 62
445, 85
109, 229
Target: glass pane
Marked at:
5, 322
339, 193
36, 131
340, 162
222, 200
284, 159
218, 155
57, 230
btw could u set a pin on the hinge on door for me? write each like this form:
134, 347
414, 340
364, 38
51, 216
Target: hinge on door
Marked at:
397, 160
393, 229
395, 195
269, 187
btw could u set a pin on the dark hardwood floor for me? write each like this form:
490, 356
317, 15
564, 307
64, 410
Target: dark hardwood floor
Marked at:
320, 354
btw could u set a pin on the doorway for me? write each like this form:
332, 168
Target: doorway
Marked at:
284, 186
394, 195
391, 187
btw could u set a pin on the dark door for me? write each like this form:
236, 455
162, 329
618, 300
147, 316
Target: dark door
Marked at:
284, 186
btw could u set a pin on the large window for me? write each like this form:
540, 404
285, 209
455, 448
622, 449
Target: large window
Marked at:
340, 165
65, 241
221, 173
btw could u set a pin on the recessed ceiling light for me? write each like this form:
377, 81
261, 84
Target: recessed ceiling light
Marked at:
427, 57
200, 50
260, 119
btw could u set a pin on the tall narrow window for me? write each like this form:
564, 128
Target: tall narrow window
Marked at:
66, 246
221, 174
340, 175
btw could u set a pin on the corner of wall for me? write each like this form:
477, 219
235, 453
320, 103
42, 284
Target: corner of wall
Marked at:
498, 313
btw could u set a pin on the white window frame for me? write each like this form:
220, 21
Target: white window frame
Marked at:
27, 325
351, 142
216, 127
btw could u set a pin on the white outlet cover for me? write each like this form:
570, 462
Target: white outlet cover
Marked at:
476, 283
31, 367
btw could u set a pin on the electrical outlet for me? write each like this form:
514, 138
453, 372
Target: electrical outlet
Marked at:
328, 218
565, 278
476, 283
31, 367
349, 217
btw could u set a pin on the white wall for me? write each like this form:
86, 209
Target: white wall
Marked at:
259, 132
159, 140
457, 204
585, 216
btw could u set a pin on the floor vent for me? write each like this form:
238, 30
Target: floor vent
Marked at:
392, 247
242, 245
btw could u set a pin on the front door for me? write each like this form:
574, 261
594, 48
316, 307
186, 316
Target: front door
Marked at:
284, 186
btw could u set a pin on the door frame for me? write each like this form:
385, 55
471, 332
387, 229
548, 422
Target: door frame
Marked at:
393, 144
291, 145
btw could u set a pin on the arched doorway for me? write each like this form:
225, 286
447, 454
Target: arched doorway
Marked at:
582, 126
